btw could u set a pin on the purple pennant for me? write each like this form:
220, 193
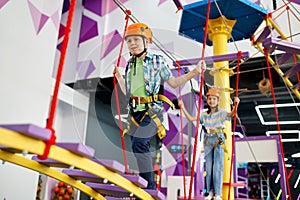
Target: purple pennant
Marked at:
85, 68
88, 29
66, 6
39, 19
3, 2
109, 42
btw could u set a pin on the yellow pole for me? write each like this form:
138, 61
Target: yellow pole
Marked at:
219, 34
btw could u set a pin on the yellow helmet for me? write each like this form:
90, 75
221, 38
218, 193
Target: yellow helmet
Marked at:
139, 29
213, 92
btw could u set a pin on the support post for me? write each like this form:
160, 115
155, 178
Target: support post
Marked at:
219, 33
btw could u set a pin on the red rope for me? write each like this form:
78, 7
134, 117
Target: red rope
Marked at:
182, 139
239, 54
50, 120
128, 12
277, 121
199, 103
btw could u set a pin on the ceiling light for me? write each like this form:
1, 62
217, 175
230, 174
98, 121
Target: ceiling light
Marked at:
296, 155
296, 132
261, 118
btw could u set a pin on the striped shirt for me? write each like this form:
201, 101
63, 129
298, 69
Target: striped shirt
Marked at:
215, 120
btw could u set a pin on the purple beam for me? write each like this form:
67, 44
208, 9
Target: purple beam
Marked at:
211, 59
297, 86
273, 43
266, 32
292, 71
296, 1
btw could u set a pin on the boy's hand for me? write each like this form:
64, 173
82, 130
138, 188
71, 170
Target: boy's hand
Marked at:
201, 66
116, 72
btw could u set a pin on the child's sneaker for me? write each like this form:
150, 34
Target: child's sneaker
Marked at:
210, 196
218, 198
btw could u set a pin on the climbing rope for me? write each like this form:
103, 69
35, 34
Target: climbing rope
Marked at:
239, 54
128, 13
277, 121
182, 138
50, 119
200, 100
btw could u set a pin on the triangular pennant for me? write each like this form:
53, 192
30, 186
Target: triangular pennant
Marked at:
109, 42
88, 29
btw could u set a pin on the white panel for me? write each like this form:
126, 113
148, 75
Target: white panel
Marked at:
17, 182
26, 63
175, 184
263, 151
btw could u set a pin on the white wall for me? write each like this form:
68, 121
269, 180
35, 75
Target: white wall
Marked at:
26, 63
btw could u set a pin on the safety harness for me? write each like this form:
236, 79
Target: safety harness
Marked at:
136, 101
219, 141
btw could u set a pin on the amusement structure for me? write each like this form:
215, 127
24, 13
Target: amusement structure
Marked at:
215, 24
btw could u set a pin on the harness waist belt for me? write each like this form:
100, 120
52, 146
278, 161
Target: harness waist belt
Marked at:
149, 99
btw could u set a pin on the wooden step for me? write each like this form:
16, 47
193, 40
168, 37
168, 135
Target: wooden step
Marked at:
116, 191
29, 130
78, 148
292, 71
113, 165
50, 162
88, 177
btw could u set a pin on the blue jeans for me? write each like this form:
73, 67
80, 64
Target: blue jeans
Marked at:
140, 141
214, 164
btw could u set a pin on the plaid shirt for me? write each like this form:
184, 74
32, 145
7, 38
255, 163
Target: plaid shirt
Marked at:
156, 70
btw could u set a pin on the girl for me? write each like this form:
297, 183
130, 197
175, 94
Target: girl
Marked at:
213, 121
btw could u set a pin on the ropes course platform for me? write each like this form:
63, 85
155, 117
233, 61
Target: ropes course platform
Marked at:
29, 139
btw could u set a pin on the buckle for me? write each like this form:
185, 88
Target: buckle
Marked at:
155, 97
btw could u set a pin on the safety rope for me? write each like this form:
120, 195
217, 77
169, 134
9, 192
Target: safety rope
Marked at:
50, 119
182, 138
200, 101
277, 122
128, 13
239, 54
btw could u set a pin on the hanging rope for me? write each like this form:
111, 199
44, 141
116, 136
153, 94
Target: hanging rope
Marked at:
50, 119
239, 54
199, 102
277, 122
128, 12
182, 138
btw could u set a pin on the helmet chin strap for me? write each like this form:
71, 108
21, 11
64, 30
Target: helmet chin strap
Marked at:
134, 57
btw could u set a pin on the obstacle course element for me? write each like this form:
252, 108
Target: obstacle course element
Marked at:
69, 155
265, 40
229, 20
